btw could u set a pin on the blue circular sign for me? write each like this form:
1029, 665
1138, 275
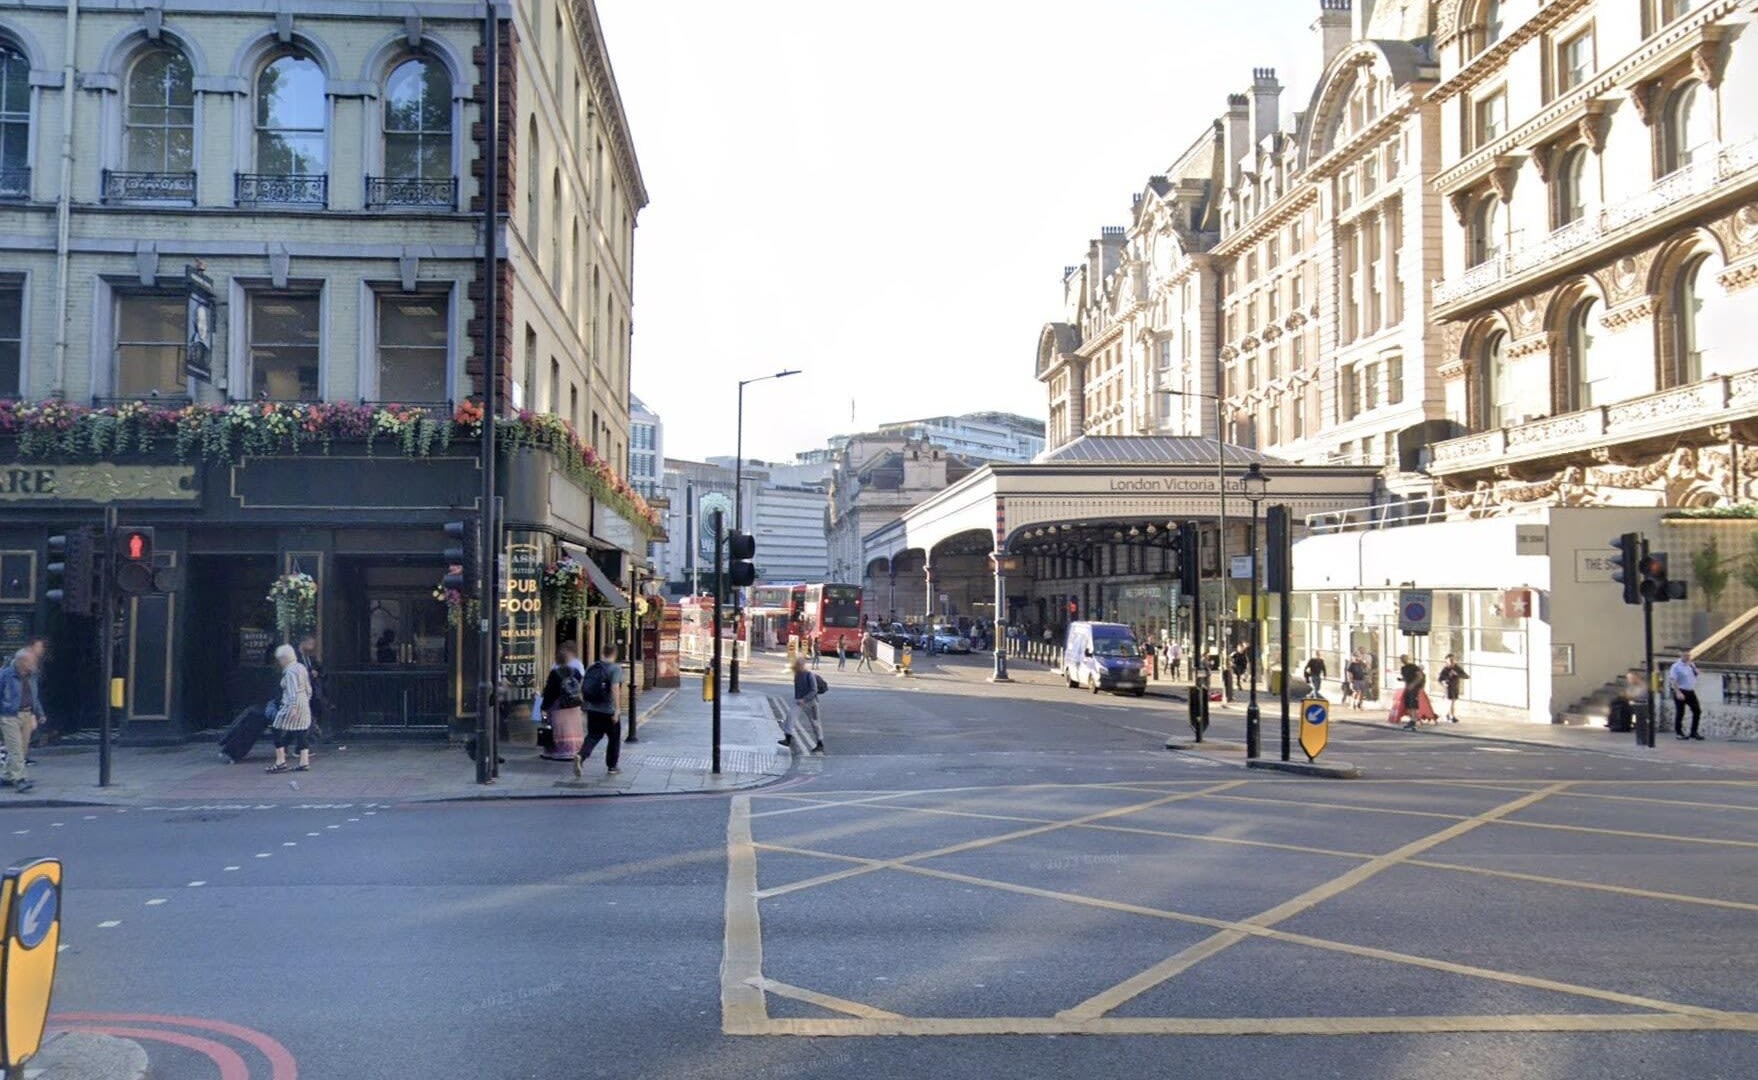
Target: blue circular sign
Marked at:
38, 907
1315, 714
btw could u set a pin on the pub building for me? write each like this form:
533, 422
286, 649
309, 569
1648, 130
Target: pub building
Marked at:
366, 525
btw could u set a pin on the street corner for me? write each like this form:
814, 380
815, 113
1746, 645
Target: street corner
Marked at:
132, 1046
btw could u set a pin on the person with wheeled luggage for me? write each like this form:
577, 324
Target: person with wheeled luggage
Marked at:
292, 724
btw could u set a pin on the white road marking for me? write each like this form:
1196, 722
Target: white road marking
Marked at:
56, 824
109, 923
313, 834
332, 826
196, 884
155, 902
233, 868
262, 854
289, 843
353, 819
91, 817
20, 832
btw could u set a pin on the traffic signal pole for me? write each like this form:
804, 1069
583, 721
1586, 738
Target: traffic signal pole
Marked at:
714, 667
107, 639
1648, 668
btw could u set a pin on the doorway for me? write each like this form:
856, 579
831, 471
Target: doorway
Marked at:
391, 649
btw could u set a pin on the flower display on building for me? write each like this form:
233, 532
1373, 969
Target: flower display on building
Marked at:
295, 598
59, 429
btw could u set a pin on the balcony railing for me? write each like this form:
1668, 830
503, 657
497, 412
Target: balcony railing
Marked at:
1666, 412
435, 410
15, 184
265, 189
1705, 174
133, 187
415, 191
157, 401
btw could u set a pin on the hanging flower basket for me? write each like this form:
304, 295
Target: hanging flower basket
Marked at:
565, 581
295, 599
458, 607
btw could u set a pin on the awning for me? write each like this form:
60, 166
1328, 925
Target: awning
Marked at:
608, 588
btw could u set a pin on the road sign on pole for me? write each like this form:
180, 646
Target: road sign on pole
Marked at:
30, 913
1315, 726
1415, 610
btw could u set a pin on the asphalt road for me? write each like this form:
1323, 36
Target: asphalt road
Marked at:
977, 881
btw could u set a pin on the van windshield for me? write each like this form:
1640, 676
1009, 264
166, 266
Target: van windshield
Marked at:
1115, 646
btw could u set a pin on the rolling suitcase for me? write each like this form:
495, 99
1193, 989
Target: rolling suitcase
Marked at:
248, 727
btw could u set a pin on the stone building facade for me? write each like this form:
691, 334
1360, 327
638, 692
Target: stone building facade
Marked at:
317, 176
1600, 164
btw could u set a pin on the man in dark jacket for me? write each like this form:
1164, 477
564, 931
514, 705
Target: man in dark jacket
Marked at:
1315, 672
599, 693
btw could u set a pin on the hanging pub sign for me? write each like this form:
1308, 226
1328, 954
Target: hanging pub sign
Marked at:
198, 355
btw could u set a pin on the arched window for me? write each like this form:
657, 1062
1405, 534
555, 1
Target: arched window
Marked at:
1688, 126
1570, 184
291, 118
418, 121
1491, 24
158, 117
1495, 384
1706, 330
1486, 231
533, 170
1589, 376
15, 123
570, 293
555, 228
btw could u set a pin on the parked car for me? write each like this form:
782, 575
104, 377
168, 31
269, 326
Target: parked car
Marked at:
948, 640
1103, 656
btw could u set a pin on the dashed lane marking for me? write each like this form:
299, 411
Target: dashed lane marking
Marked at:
195, 884
234, 868
155, 901
108, 923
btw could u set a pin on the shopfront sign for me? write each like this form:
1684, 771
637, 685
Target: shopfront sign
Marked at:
1592, 567
98, 483
1532, 539
613, 528
522, 620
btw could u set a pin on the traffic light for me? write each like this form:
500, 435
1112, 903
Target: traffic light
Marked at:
741, 548
134, 560
70, 572
1656, 587
1188, 580
460, 555
1627, 571
1279, 558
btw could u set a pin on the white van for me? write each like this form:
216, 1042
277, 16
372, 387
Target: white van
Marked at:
1103, 656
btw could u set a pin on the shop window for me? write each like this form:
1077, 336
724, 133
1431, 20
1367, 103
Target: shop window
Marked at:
291, 113
284, 334
11, 339
413, 334
150, 340
158, 121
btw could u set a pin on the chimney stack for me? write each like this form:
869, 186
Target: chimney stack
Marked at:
1235, 135
1333, 28
1266, 95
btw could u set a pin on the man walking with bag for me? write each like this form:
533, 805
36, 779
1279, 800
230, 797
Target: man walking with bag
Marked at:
14, 725
602, 722
805, 726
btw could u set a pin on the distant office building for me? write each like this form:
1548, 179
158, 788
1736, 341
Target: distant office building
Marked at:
646, 448
978, 436
785, 513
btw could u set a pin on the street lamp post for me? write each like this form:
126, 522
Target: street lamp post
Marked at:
738, 515
1220, 528
1256, 485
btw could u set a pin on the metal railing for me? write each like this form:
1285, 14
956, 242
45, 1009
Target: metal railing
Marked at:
148, 186
158, 401
267, 189
15, 183
434, 410
416, 191
389, 698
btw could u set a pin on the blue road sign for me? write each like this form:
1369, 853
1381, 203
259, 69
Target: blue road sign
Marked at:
37, 910
1315, 714
1315, 732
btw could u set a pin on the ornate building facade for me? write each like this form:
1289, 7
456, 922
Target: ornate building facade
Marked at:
1600, 163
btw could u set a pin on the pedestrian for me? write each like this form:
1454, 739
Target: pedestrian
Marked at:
598, 692
804, 723
14, 677
562, 702
1315, 673
1631, 700
320, 705
1240, 665
1452, 676
1683, 678
293, 716
817, 652
868, 647
1174, 657
841, 652
32, 713
1413, 705
1357, 673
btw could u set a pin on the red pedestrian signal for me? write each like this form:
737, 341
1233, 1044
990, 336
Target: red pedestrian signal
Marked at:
134, 561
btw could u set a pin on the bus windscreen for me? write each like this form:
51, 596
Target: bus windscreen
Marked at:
842, 606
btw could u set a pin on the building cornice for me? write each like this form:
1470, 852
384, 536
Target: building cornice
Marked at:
1409, 103
604, 83
1280, 213
1486, 64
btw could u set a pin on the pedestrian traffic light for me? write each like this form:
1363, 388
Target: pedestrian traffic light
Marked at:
1188, 580
1279, 558
134, 560
741, 548
1627, 570
1656, 588
461, 558
71, 558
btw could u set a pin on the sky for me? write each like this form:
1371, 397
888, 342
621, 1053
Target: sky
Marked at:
884, 197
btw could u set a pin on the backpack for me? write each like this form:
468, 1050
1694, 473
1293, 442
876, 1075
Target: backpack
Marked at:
570, 688
597, 689
819, 685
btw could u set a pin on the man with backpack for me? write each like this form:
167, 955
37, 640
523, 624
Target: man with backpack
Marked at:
599, 692
803, 721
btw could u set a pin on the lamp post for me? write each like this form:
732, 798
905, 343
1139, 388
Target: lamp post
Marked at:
738, 514
1256, 486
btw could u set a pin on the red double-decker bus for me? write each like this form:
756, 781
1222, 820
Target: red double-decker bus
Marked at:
832, 613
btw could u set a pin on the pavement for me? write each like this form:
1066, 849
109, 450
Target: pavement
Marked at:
978, 880
672, 756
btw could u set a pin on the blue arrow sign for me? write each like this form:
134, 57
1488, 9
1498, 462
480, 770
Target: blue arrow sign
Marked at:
37, 909
1315, 714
